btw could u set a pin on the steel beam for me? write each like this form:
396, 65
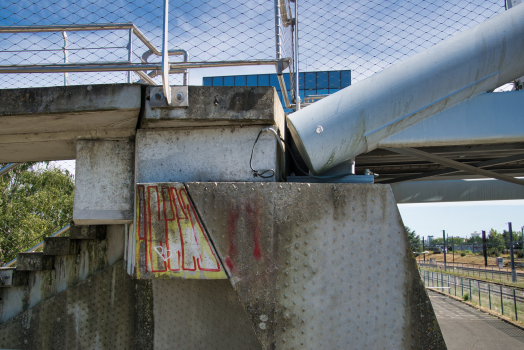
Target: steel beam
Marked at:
456, 191
447, 171
355, 119
454, 164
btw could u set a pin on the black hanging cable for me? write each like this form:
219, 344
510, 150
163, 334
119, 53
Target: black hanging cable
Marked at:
263, 174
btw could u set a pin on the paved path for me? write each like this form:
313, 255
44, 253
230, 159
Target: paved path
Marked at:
466, 328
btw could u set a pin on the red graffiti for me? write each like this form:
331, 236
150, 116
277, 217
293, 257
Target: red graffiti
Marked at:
253, 216
233, 218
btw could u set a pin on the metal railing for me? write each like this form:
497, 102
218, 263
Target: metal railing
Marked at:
285, 53
504, 300
478, 271
39, 245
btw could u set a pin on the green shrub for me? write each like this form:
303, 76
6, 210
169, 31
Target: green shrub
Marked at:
494, 251
463, 254
465, 297
520, 254
437, 252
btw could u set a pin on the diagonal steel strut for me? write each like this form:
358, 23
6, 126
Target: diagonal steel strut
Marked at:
483, 164
454, 164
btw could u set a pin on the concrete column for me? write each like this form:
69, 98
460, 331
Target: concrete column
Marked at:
104, 182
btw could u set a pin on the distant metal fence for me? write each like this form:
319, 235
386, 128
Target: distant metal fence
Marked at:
494, 273
504, 300
362, 35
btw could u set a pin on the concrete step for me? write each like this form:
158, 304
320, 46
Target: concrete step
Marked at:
87, 231
35, 261
10, 277
61, 246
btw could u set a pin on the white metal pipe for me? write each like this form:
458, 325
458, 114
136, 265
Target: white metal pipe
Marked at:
353, 120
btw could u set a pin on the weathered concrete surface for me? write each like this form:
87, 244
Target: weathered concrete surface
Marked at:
170, 240
87, 231
219, 106
34, 262
43, 123
60, 246
301, 261
68, 270
204, 154
99, 313
15, 278
104, 182
199, 314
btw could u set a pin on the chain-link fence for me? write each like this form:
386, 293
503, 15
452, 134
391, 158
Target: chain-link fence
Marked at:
364, 36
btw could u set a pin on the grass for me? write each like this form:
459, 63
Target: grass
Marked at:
470, 258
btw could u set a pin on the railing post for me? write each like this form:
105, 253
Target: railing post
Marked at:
130, 53
66, 57
478, 285
501, 302
297, 77
470, 296
515, 304
462, 287
489, 295
165, 55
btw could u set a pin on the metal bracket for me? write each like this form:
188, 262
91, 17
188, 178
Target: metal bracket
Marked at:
179, 97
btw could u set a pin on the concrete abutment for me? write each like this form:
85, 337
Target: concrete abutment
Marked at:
176, 244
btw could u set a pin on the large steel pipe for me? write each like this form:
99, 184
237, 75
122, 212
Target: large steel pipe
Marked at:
353, 120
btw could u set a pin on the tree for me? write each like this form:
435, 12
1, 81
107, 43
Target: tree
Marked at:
35, 201
414, 240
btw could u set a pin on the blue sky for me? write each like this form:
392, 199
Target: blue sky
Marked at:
462, 218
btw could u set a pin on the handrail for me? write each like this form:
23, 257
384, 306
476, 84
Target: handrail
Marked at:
181, 67
56, 234
8, 167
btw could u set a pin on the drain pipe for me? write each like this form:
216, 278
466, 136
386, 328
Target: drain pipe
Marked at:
353, 120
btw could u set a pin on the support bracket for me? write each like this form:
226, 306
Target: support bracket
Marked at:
179, 97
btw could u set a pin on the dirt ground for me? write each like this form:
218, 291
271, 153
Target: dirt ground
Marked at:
469, 259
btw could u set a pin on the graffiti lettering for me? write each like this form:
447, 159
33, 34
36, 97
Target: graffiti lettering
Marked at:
169, 226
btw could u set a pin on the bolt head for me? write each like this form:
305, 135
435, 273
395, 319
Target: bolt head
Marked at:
158, 96
320, 129
179, 97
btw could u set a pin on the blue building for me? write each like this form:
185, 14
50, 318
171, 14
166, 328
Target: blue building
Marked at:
311, 83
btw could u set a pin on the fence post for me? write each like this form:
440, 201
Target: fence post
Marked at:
501, 302
130, 53
478, 285
461, 287
489, 295
515, 304
455, 284
470, 295
448, 286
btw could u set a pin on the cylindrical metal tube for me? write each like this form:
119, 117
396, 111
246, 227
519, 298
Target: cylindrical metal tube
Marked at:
353, 120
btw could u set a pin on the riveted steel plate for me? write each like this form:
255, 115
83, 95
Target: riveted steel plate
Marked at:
319, 265
171, 242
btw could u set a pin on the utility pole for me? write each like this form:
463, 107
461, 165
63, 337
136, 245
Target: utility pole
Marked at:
423, 248
513, 272
444, 239
484, 248
453, 247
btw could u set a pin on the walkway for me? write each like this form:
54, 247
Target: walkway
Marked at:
466, 328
